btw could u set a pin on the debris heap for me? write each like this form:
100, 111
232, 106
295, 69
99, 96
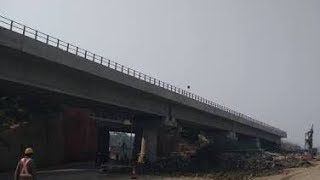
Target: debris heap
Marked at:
213, 162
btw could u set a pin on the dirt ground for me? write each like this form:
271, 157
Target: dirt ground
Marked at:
93, 175
311, 173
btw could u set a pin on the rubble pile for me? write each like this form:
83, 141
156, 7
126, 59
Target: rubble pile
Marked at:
214, 163
173, 164
221, 158
261, 163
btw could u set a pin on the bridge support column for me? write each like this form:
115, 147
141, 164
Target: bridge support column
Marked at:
149, 144
169, 140
232, 135
137, 145
103, 143
258, 143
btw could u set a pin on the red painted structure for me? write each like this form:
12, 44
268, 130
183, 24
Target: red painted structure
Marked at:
80, 134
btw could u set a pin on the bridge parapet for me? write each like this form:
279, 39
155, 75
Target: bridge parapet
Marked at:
88, 55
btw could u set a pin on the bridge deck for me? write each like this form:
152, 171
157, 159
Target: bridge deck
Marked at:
132, 78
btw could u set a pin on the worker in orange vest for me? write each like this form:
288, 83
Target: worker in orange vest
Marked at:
26, 168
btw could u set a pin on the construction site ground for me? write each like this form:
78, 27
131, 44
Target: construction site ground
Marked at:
310, 173
81, 173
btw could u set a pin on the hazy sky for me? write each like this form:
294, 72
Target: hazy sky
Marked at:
259, 57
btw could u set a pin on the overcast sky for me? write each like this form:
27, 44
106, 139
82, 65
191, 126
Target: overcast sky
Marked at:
259, 57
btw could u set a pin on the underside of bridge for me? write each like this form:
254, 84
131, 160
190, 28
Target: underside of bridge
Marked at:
78, 129
84, 108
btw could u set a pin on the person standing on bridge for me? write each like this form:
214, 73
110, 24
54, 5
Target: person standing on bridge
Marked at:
26, 168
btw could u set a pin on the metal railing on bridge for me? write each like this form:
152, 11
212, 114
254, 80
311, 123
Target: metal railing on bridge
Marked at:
58, 43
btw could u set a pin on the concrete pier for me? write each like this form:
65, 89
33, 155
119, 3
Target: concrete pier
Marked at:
149, 145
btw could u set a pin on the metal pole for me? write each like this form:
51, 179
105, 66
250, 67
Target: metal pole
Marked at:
24, 30
68, 47
131, 145
11, 24
77, 49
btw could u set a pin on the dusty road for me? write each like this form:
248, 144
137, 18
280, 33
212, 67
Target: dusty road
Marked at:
93, 175
86, 171
311, 173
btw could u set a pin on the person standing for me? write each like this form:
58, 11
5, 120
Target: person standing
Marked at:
26, 168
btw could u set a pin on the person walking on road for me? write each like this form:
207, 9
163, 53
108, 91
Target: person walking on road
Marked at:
26, 168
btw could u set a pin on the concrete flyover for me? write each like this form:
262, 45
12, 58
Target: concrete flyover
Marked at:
34, 59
